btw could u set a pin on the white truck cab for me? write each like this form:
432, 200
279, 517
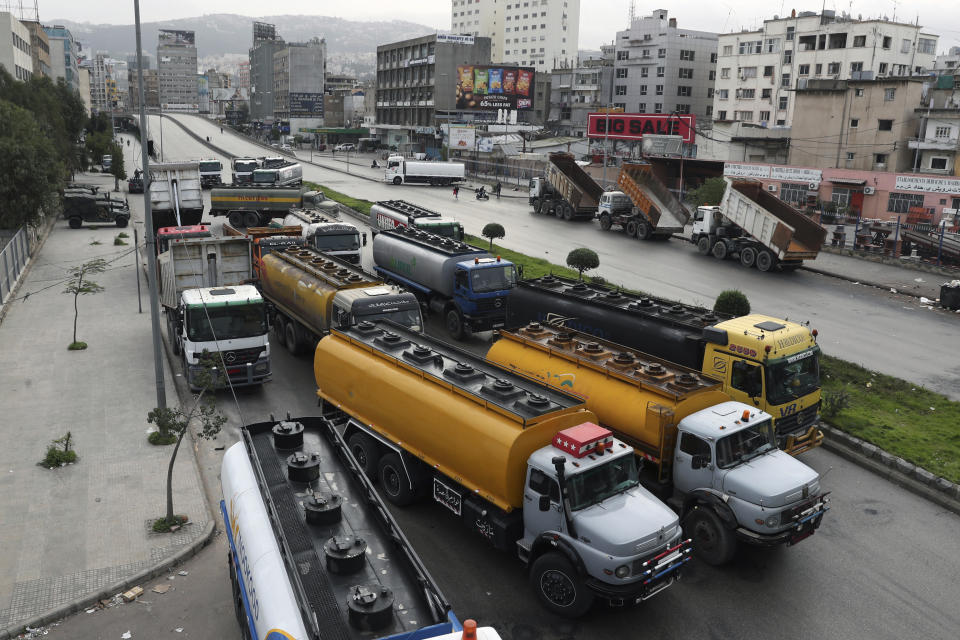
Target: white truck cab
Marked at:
614, 203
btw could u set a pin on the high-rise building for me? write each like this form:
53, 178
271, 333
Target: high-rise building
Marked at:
298, 80
99, 82
64, 51
39, 49
758, 71
541, 34
243, 75
266, 43
132, 61
177, 71
15, 47
151, 96
659, 68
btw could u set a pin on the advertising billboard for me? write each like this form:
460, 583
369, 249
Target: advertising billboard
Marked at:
170, 36
306, 105
488, 88
462, 138
633, 126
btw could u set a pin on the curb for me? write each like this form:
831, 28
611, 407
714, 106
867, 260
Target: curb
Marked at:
5, 307
900, 472
840, 276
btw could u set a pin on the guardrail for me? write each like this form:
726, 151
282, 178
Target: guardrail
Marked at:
13, 260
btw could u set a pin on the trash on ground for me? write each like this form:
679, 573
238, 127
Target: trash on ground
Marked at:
182, 572
132, 594
126, 635
924, 300
161, 588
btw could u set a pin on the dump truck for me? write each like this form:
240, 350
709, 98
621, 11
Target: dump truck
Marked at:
176, 196
519, 462
466, 285
266, 240
210, 173
242, 170
333, 236
312, 550
649, 210
567, 191
255, 206
210, 307
310, 293
757, 228
81, 205
402, 171
392, 214
763, 361
742, 487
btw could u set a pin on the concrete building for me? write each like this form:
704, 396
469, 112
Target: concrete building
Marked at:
934, 150
83, 86
542, 34
177, 71
64, 51
742, 141
757, 71
151, 92
659, 68
243, 75
266, 43
39, 49
577, 91
120, 77
15, 54
298, 78
99, 82
417, 88
948, 62
132, 61
339, 83
217, 79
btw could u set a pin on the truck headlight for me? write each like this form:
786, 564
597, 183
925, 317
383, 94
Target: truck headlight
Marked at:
773, 521
622, 571
260, 368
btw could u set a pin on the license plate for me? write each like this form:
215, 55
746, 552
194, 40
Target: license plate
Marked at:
498, 325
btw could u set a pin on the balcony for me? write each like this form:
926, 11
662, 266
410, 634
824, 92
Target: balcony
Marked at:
934, 144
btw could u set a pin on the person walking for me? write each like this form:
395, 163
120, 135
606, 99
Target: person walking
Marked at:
496, 189
456, 192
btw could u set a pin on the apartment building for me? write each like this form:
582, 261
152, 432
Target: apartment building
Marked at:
266, 43
948, 62
15, 54
39, 49
856, 124
660, 68
576, 92
298, 76
64, 51
935, 148
177, 71
758, 71
243, 75
542, 34
151, 93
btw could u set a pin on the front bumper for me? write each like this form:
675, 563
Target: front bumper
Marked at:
485, 322
240, 375
806, 520
795, 444
658, 572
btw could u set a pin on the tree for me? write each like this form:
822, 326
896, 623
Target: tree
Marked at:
709, 193
583, 259
174, 422
493, 231
116, 165
31, 171
732, 302
79, 284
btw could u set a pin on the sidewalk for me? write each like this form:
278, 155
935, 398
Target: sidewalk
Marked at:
82, 532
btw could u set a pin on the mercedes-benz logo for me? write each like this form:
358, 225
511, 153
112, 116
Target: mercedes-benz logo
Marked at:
230, 357
498, 302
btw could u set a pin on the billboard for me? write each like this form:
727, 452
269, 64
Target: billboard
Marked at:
306, 105
633, 126
488, 88
170, 36
462, 138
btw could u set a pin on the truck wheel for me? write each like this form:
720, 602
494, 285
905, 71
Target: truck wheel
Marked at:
643, 231
398, 180
606, 221
748, 256
537, 205
454, 324
76, 223
290, 336
279, 327
559, 586
235, 218
251, 219
122, 221
719, 250
394, 482
566, 212
713, 543
172, 335
630, 228
765, 261
364, 449
703, 245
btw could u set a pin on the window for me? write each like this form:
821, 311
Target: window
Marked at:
766, 93
905, 45
620, 105
781, 122
767, 72
686, 74
620, 90
854, 123
660, 72
622, 72
689, 444
804, 70
684, 91
748, 94
658, 107
771, 45
750, 46
942, 132
818, 69
713, 75
787, 57
901, 202
642, 107
765, 116
683, 108
728, 49
725, 72
644, 72
851, 155
723, 94
747, 378
840, 196
748, 72
713, 58
885, 125
887, 42
645, 54
889, 94
793, 192
924, 45
880, 159
782, 104
721, 115
859, 41
545, 485
746, 116
643, 89
856, 66
833, 68
785, 80
790, 32
858, 93
709, 110
938, 163
661, 53
710, 92
623, 55
659, 90
686, 55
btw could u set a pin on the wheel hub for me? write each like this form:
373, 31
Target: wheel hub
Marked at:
558, 588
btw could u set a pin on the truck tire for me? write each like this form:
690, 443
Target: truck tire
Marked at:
251, 219
713, 543
566, 212
630, 228
76, 222
719, 250
398, 180
454, 324
291, 339
235, 218
748, 257
644, 231
703, 245
365, 450
559, 586
122, 221
765, 261
606, 221
279, 327
394, 482
172, 335
537, 205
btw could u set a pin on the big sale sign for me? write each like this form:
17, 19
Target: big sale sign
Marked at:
633, 126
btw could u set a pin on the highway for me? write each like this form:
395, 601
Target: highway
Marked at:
882, 566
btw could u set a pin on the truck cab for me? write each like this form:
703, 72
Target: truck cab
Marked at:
353, 306
210, 173
243, 169
731, 483
480, 291
614, 203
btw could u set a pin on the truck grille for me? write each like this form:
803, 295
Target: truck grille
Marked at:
241, 356
491, 305
800, 421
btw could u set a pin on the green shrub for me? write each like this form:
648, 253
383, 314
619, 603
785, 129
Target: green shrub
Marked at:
833, 401
60, 452
732, 302
159, 439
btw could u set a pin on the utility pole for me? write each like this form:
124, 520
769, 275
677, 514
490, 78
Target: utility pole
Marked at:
151, 239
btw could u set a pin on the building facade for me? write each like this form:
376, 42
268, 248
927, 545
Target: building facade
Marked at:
577, 91
151, 93
266, 43
99, 82
948, 62
542, 34
298, 71
758, 71
15, 54
177, 71
83, 86
856, 124
39, 49
935, 148
64, 51
243, 75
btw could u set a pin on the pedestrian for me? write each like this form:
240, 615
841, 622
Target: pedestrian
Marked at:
496, 189
221, 129
456, 192
208, 138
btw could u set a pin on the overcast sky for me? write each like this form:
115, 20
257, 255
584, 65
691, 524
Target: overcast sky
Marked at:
597, 24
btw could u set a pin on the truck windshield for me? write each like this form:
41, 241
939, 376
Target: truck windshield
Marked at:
337, 242
493, 278
745, 444
210, 167
446, 229
245, 165
409, 318
266, 177
601, 482
226, 323
793, 377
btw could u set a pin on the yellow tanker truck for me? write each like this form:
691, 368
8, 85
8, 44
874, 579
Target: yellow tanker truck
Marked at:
518, 462
308, 292
714, 460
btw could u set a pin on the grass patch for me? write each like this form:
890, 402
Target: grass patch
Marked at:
122, 234
162, 525
900, 417
96, 242
118, 241
160, 439
77, 346
357, 204
532, 267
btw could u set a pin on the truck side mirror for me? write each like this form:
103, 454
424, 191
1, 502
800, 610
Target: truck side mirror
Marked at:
544, 503
364, 239
698, 462
520, 271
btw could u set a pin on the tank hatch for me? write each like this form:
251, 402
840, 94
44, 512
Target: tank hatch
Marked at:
439, 244
408, 209
334, 272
